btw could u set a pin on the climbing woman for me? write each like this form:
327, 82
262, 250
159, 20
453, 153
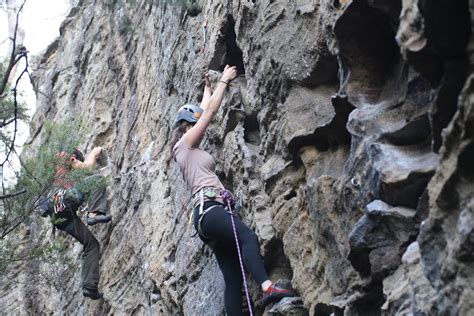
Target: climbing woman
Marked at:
214, 224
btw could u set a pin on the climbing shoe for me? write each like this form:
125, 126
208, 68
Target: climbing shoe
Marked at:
275, 293
92, 294
92, 220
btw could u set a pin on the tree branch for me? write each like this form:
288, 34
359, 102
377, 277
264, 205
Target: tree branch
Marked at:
35, 89
19, 221
23, 165
6, 196
23, 54
13, 59
5, 123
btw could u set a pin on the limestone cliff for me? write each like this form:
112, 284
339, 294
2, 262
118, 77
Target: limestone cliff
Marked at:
349, 132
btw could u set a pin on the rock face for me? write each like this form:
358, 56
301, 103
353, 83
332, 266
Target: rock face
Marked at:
346, 131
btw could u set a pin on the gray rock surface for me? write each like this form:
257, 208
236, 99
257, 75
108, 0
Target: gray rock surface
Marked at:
407, 290
379, 237
344, 133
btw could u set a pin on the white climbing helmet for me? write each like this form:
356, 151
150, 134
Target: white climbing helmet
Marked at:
189, 113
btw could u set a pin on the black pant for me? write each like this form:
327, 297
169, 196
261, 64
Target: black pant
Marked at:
217, 227
91, 252
97, 203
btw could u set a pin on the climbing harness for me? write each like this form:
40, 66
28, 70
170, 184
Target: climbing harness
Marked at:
229, 200
211, 193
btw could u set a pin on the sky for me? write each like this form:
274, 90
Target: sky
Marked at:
40, 21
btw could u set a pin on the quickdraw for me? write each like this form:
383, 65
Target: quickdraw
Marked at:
58, 201
228, 198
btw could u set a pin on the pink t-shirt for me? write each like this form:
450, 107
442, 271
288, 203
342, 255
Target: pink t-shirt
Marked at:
197, 167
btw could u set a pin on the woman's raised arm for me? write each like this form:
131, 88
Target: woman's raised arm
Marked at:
207, 91
194, 136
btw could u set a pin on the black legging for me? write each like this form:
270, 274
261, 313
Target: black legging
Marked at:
217, 228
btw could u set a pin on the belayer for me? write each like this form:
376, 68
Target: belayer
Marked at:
62, 203
212, 218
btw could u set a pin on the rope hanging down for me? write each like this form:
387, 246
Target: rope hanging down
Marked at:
229, 200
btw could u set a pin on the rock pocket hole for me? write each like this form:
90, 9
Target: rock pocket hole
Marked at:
368, 47
320, 142
155, 289
330, 136
252, 130
290, 195
226, 179
323, 310
233, 55
226, 51
276, 262
465, 162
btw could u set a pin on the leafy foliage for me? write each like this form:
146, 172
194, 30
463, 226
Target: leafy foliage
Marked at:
37, 174
58, 263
